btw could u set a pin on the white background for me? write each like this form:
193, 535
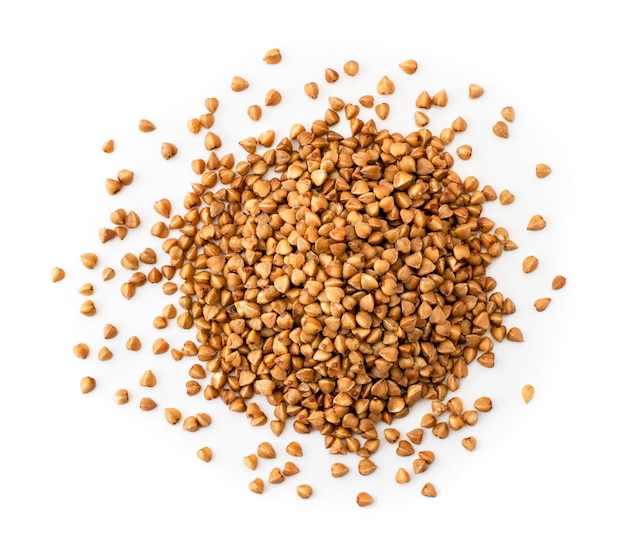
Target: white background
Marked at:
75, 74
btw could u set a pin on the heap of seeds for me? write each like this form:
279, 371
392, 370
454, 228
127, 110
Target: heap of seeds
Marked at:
343, 277
344, 288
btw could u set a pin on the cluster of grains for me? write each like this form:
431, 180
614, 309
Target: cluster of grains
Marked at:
341, 277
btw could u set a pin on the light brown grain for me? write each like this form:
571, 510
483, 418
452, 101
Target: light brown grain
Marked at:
469, 443
205, 454
475, 91
536, 222
385, 86
530, 264
58, 274
508, 114
429, 490
541, 304
528, 392
408, 66
558, 282
147, 404
351, 68
238, 84
363, 499
273, 56
121, 396
542, 170
87, 384
146, 126
501, 130
304, 490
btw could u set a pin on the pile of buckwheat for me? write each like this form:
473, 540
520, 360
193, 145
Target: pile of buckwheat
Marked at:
341, 278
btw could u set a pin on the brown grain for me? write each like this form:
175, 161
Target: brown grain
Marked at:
146, 126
